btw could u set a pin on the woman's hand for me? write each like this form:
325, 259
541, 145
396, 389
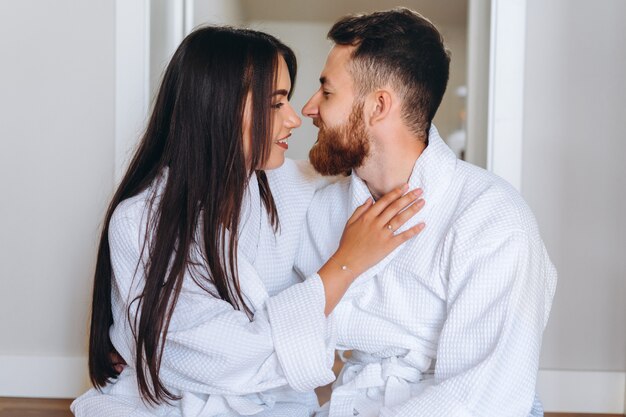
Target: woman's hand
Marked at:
118, 362
369, 233
369, 236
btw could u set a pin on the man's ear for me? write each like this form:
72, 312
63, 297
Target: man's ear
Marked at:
380, 106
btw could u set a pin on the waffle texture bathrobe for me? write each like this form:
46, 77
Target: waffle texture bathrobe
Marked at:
220, 362
451, 323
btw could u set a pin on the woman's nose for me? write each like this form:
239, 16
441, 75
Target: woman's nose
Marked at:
293, 121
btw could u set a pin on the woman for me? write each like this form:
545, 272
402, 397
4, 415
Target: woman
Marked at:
193, 284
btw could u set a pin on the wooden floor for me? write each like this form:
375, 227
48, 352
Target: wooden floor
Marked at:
30, 407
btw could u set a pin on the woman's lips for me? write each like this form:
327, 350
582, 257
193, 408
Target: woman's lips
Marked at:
283, 142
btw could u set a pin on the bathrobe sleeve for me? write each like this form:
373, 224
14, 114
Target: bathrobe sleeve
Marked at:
500, 286
212, 348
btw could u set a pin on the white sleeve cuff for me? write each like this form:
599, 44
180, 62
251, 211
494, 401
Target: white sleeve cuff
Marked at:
304, 337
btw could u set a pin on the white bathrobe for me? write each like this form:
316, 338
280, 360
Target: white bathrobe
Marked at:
220, 362
450, 324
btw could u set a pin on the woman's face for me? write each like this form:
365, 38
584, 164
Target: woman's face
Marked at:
284, 120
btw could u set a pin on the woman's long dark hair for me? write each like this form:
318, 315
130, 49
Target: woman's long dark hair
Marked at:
195, 131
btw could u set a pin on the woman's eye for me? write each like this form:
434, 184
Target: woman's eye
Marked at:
277, 105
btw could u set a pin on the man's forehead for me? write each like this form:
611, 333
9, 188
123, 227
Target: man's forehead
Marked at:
336, 68
339, 55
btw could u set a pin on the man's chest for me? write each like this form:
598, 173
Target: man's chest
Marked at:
403, 306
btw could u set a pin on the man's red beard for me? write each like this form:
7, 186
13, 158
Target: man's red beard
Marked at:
340, 149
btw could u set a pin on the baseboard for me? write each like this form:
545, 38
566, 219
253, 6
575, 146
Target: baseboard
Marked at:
582, 391
43, 377
560, 391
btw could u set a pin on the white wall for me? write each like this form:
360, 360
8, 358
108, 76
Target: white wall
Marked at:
574, 178
221, 12
57, 91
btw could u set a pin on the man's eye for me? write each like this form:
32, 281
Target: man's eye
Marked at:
325, 93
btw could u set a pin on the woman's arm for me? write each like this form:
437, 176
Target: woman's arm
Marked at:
213, 348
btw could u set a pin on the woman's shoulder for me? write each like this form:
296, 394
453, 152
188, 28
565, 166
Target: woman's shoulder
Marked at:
134, 209
131, 216
299, 173
130, 210
126, 224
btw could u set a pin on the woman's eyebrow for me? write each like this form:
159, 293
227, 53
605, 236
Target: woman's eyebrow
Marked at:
282, 92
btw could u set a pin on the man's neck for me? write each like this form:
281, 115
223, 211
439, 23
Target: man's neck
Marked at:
390, 168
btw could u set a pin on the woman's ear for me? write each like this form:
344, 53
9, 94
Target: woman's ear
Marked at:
380, 106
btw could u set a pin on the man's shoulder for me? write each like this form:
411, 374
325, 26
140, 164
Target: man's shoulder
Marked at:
490, 202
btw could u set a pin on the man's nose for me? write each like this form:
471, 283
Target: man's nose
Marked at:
310, 109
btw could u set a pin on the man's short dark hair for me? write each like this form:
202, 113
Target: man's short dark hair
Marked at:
402, 49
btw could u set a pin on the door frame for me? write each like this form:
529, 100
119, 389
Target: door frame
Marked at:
507, 55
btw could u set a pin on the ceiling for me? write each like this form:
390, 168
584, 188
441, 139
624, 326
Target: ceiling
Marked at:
446, 12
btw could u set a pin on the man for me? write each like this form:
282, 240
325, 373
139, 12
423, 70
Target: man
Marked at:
450, 324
